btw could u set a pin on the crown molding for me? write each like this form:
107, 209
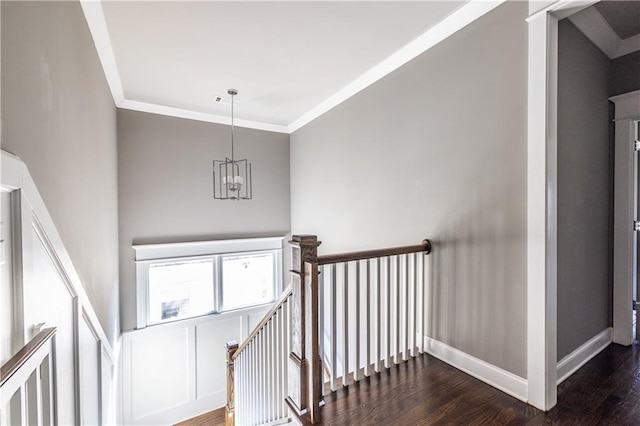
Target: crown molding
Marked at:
593, 25
459, 19
200, 116
94, 15
463, 16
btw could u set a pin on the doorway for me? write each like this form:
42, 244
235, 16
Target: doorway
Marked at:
625, 255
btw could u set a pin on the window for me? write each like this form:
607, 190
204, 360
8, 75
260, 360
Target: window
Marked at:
247, 279
180, 289
178, 281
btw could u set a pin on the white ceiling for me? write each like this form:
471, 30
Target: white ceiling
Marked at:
283, 57
290, 61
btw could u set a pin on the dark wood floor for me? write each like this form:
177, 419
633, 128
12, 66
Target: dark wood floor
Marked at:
426, 391
212, 418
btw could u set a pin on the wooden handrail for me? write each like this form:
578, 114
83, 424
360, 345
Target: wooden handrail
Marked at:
371, 254
9, 368
277, 305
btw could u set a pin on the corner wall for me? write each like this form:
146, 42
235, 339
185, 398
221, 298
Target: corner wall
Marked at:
165, 187
437, 150
60, 119
625, 74
585, 191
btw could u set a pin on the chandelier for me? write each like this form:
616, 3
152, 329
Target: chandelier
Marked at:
231, 177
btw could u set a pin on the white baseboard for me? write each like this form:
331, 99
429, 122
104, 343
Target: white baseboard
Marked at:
503, 380
576, 359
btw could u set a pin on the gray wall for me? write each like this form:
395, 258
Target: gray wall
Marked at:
585, 191
437, 149
59, 118
625, 74
165, 187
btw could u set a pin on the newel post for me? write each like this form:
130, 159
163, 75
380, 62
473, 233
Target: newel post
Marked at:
229, 409
304, 248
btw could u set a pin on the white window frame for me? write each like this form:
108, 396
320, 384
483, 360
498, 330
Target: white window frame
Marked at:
154, 254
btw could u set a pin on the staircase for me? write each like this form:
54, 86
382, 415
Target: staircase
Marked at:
344, 317
28, 383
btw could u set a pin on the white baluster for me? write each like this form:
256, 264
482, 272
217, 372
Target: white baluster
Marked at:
345, 325
423, 282
414, 348
334, 329
263, 377
32, 388
356, 366
405, 287
250, 393
255, 403
246, 395
47, 388
278, 357
396, 356
287, 347
388, 360
369, 325
238, 387
258, 369
378, 316
270, 380
321, 320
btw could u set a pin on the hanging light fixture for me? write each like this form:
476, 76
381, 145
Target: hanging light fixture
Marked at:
231, 177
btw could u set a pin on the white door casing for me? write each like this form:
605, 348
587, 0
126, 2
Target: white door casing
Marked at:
627, 113
542, 212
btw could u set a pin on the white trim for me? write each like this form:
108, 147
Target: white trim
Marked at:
576, 359
203, 248
627, 110
15, 175
503, 380
562, 8
22, 268
591, 23
196, 404
200, 116
541, 211
94, 15
459, 19
242, 313
627, 105
150, 254
541, 201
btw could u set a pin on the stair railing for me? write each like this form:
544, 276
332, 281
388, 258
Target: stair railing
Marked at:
257, 370
373, 311
28, 383
350, 315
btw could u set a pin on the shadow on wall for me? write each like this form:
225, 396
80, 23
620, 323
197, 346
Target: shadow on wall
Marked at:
477, 289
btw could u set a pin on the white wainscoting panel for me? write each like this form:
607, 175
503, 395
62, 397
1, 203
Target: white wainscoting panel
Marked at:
90, 374
48, 292
107, 387
49, 300
159, 372
175, 371
211, 355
